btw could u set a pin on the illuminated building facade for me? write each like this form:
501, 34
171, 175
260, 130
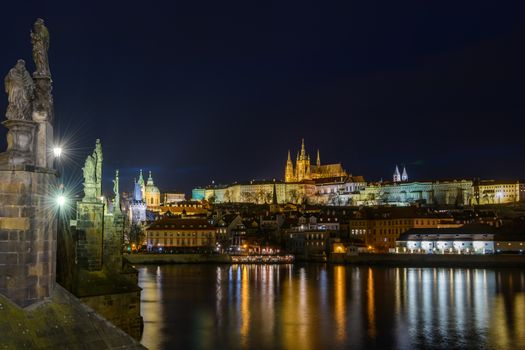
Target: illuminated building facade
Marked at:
151, 193
137, 206
380, 228
496, 192
304, 170
180, 233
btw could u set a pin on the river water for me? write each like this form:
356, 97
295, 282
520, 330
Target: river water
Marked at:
331, 307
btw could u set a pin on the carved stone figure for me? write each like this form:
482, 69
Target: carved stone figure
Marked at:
20, 90
116, 203
89, 170
40, 41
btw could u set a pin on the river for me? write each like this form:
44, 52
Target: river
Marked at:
318, 306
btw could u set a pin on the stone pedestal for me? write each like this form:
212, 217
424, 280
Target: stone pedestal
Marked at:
113, 234
20, 143
43, 139
90, 235
90, 193
27, 234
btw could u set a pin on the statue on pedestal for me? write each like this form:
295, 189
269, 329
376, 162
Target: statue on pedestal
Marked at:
89, 170
116, 203
20, 90
40, 41
92, 172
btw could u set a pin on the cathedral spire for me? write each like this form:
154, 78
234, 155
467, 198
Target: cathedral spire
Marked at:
397, 175
303, 151
404, 175
274, 196
289, 157
318, 158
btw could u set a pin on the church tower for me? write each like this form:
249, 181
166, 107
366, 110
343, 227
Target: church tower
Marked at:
302, 166
404, 175
151, 193
137, 207
288, 172
318, 158
397, 175
142, 184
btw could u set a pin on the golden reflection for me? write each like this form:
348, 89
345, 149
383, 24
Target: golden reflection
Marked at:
245, 305
266, 311
218, 293
297, 331
508, 320
340, 302
151, 306
371, 305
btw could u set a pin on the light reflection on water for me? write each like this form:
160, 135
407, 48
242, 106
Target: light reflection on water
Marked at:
332, 307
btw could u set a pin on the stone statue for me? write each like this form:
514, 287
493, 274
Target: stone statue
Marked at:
20, 90
116, 203
89, 170
40, 41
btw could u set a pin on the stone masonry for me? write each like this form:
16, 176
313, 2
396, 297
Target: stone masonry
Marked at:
27, 234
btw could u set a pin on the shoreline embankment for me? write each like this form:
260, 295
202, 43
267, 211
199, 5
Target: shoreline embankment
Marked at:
160, 259
387, 260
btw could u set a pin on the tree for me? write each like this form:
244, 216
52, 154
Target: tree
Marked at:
136, 235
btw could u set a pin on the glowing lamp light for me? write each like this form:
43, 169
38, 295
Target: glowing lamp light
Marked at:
61, 200
57, 152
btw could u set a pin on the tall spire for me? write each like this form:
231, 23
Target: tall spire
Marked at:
404, 176
397, 175
318, 158
303, 151
288, 172
150, 179
141, 178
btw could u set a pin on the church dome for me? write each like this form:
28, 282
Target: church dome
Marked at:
151, 193
151, 189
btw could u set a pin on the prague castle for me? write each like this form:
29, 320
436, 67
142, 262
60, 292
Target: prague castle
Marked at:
304, 170
330, 184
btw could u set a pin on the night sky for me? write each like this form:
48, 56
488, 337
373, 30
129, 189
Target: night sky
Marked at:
220, 90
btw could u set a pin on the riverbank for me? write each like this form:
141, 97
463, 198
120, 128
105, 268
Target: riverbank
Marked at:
430, 260
159, 259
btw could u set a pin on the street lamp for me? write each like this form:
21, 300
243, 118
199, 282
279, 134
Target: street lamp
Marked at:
61, 200
57, 151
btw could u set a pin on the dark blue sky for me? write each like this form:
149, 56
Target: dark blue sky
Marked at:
202, 90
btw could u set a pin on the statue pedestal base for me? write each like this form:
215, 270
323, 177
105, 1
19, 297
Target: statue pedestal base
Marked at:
43, 141
20, 141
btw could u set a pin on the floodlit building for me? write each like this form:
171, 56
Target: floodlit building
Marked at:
304, 170
186, 234
380, 228
151, 193
137, 206
467, 239
496, 192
